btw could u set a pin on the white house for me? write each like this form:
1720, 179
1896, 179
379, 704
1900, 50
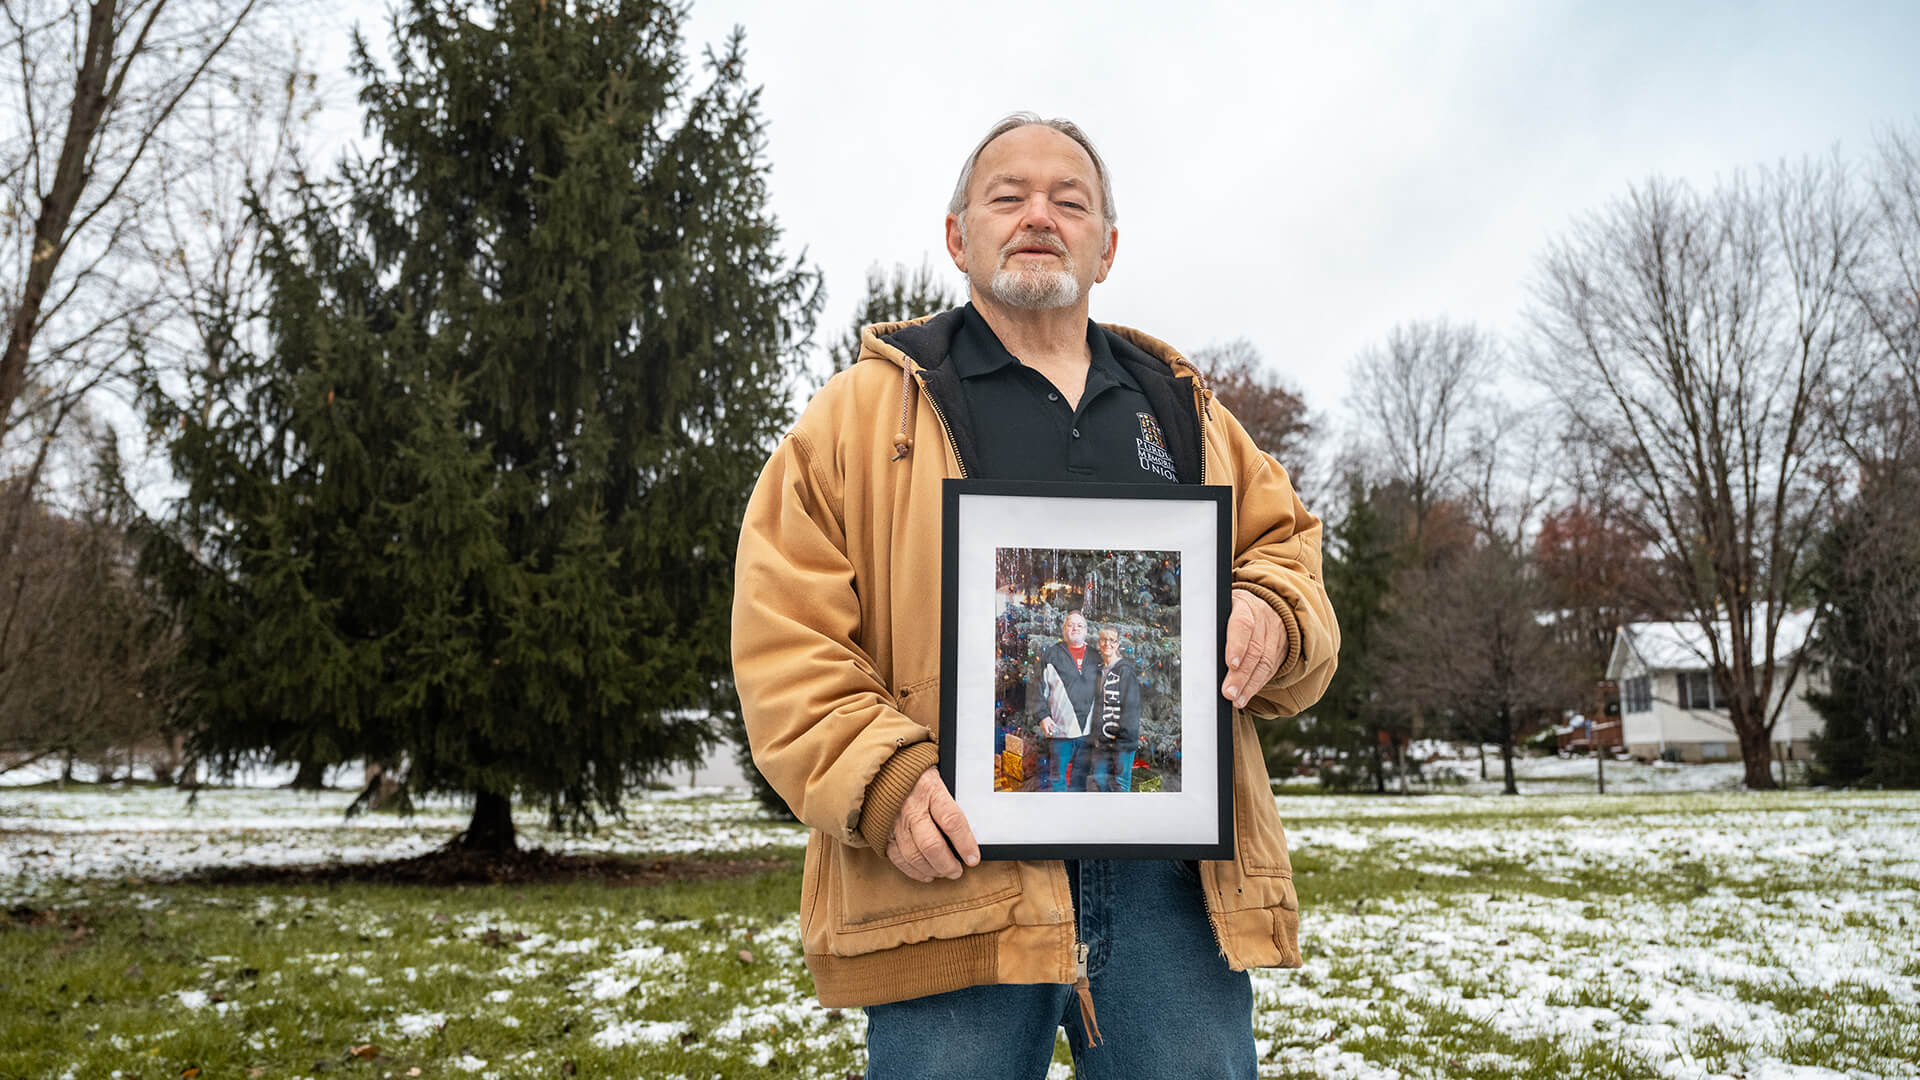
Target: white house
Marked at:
1670, 707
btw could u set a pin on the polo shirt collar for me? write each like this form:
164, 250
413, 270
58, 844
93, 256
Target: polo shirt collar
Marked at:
977, 351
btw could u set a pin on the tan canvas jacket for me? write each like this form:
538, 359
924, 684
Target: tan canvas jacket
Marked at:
836, 651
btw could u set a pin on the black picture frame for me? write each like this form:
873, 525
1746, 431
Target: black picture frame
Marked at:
988, 528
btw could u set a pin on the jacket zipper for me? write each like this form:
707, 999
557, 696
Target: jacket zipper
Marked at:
1203, 394
947, 429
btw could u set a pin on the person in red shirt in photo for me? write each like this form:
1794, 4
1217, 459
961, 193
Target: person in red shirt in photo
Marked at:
1069, 682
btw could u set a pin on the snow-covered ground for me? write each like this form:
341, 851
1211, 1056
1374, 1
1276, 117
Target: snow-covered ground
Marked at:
82, 833
1700, 932
1445, 767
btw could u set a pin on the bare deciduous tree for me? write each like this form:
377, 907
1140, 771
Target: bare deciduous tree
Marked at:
1887, 282
1694, 342
1273, 413
83, 655
1413, 398
95, 96
1466, 646
1868, 570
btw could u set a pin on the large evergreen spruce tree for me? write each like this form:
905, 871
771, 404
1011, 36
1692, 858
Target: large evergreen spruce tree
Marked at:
892, 296
1362, 556
476, 511
1867, 581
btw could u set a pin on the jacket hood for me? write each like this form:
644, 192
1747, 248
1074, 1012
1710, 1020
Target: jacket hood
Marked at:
1172, 384
929, 338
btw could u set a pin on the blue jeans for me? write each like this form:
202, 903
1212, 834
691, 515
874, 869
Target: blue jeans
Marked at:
1163, 997
1113, 770
1069, 754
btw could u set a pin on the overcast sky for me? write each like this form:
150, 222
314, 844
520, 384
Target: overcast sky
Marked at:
1303, 176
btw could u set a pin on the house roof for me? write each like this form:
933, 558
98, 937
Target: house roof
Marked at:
1682, 646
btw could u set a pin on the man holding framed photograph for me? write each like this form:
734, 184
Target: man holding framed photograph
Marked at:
968, 967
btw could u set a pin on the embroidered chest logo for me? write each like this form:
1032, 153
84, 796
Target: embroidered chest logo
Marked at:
1153, 448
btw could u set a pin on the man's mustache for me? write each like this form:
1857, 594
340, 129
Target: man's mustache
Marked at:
1034, 240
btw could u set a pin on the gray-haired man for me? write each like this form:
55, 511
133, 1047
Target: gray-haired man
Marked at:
969, 969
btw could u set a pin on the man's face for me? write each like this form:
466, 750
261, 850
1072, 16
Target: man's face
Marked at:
1076, 630
1033, 235
1109, 647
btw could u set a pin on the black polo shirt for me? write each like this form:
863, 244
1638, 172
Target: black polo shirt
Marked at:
1025, 430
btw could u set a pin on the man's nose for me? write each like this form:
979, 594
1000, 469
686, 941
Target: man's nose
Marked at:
1039, 212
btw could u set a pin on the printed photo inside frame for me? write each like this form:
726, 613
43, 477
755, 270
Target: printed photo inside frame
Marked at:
1080, 712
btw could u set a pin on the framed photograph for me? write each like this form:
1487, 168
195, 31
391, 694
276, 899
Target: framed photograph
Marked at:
1084, 627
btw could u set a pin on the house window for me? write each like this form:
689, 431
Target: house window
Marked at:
1697, 690
1636, 694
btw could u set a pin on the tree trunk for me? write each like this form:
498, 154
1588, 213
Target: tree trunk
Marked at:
1482, 745
1599, 759
312, 776
90, 100
491, 829
385, 783
1756, 753
1379, 770
1757, 760
1506, 756
1400, 763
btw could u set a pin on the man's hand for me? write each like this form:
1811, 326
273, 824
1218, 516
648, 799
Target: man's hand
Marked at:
1256, 643
928, 821
1046, 727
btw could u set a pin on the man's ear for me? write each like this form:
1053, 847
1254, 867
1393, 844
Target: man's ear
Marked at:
956, 247
1106, 257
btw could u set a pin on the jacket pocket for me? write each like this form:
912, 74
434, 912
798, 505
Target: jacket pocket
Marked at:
875, 906
870, 905
813, 936
1264, 873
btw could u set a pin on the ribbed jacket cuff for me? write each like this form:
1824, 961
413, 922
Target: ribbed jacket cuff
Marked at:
1288, 619
889, 791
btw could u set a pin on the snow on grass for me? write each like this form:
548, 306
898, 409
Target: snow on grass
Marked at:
630, 1032
1688, 935
148, 833
419, 1025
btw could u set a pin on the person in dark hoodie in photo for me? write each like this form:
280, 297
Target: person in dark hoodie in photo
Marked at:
1117, 730
1069, 688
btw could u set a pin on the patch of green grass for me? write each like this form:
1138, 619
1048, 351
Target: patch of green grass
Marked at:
1862, 1040
1438, 1040
1631, 1006
1402, 956
234, 979
1790, 995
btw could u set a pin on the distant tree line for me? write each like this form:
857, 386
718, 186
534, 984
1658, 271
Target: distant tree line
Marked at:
458, 433
1711, 419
